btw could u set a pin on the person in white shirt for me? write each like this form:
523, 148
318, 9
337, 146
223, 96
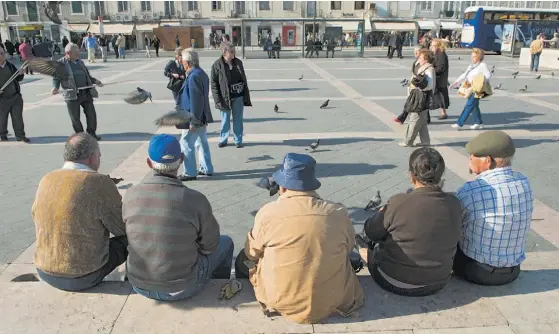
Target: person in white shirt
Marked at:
477, 67
417, 121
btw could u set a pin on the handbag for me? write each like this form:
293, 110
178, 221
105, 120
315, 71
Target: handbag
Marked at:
465, 90
175, 84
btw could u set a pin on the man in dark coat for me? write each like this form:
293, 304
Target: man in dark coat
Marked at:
11, 102
392, 44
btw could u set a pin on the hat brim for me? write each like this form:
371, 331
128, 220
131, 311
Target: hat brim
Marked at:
295, 184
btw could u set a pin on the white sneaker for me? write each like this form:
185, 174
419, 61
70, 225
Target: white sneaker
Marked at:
476, 127
455, 126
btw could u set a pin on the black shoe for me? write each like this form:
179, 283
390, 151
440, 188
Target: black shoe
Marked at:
239, 145
204, 174
187, 178
220, 145
24, 139
4, 138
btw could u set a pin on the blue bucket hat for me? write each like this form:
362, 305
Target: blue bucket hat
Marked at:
297, 173
164, 149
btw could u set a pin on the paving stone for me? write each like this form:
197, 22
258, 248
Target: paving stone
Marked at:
534, 329
474, 330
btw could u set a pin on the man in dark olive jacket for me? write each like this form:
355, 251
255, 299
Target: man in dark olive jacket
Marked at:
11, 102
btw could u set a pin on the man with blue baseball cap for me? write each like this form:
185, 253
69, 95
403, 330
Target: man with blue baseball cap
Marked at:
298, 250
174, 241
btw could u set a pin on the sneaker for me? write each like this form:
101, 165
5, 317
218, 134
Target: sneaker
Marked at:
185, 178
24, 139
239, 145
403, 145
204, 174
476, 127
220, 145
455, 126
4, 138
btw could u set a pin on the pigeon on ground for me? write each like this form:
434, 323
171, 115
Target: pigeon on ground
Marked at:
325, 104
116, 180
375, 202
271, 186
138, 96
405, 83
523, 89
301, 77
458, 57
493, 67
314, 145
499, 86
493, 71
515, 73
276, 108
514, 76
538, 77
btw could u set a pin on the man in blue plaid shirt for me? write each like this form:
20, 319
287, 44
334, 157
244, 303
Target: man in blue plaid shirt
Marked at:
497, 211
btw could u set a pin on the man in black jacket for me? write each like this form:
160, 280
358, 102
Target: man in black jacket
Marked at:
11, 102
103, 43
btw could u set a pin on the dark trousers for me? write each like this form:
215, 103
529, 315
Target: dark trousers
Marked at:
481, 273
157, 51
85, 101
117, 255
115, 50
28, 71
390, 53
399, 51
176, 97
328, 51
13, 107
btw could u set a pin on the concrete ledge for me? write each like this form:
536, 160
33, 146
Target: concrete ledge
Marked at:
548, 59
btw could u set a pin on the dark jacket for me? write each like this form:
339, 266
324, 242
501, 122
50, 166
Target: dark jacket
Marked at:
441, 69
194, 97
220, 84
173, 67
417, 101
168, 226
418, 234
13, 69
68, 87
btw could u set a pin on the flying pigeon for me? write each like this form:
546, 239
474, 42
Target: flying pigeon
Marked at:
138, 96
375, 202
325, 104
276, 108
314, 145
174, 118
538, 77
271, 186
50, 8
523, 89
48, 67
301, 77
116, 180
499, 86
515, 73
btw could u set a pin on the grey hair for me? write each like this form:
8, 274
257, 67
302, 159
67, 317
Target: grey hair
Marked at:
166, 168
69, 47
80, 146
503, 162
227, 47
178, 51
191, 57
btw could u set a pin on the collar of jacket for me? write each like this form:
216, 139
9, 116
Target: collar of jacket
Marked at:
159, 178
295, 193
426, 189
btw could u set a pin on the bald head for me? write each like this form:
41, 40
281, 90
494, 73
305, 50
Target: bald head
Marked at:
83, 148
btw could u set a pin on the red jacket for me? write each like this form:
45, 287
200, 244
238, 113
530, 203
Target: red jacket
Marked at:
25, 51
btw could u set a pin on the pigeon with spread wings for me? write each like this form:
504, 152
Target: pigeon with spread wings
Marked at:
138, 96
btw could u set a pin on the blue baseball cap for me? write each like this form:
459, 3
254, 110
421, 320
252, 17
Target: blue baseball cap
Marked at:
164, 148
297, 173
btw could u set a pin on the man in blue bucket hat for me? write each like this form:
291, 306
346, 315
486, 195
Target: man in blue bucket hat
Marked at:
175, 245
298, 250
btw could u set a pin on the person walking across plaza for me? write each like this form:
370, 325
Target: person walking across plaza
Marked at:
194, 98
11, 101
440, 97
75, 97
26, 53
536, 49
478, 75
121, 45
91, 46
103, 46
156, 42
230, 93
147, 42
176, 74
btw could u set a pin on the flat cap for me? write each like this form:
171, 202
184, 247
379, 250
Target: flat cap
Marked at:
494, 143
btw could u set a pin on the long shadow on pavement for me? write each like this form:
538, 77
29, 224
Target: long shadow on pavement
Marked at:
105, 137
518, 143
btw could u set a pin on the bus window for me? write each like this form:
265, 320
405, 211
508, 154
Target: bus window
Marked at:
470, 16
487, 16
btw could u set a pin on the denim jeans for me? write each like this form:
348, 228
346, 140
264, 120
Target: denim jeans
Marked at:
237, 107
535, 61
215, 265
117, 255
190, 140
122, 53
471, 107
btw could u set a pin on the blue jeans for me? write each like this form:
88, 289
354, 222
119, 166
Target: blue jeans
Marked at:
535, 61
237, 107
190, 141
122, 53
471, 107
215, 265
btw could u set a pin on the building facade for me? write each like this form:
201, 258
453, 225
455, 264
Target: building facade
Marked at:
25, 19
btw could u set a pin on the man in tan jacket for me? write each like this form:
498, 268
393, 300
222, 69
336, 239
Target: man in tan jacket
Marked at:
536, 48
298, 250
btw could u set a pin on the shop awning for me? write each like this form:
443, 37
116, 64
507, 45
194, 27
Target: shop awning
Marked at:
389, 26
147, 26
170, 24
450, 25
346, 26
78, 27
427, 25
112, 28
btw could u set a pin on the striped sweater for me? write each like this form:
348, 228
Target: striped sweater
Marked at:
168, 225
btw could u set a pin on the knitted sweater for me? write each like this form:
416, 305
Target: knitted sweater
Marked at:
74, 211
